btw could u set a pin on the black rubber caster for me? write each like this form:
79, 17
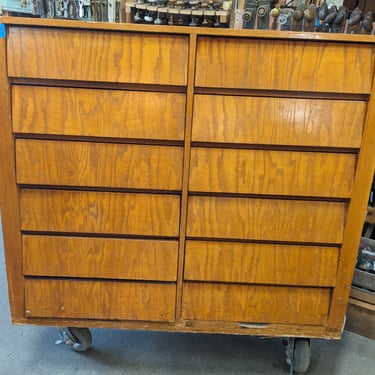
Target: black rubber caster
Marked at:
78, 339
298, 355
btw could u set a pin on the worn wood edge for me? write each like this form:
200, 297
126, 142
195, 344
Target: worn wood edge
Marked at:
210, 327
258, 34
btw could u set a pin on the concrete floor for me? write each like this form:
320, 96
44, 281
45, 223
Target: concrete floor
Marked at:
30, 350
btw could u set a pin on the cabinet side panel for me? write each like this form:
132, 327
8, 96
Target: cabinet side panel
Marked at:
9, 208
355, 219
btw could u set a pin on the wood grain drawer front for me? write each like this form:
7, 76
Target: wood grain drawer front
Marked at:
101, 56
284, 65
278, 121
99, 300
271, 172
98, 113
110, 258
99, 212
260, 263
266, 219
98, 164
255, 304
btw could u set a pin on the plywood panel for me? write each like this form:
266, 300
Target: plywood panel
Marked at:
100, 258
99, 212
260, 263
99, 300
255, 304
284, 65
278, 121
271, 172
98, 164
93, 55
265, 219
98, 113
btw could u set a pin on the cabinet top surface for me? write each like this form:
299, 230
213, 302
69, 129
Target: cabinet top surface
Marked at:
256, 34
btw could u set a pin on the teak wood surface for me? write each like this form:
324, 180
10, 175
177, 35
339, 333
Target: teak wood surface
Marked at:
183, 179
98, 113
92, 257
107, 165
271, 172
305, 122
260, 263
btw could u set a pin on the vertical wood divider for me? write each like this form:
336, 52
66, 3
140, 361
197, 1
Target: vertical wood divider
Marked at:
186, 168
355, 220
9, 206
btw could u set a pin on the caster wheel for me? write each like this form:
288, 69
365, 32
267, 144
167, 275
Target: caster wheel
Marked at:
301, 355
78, 339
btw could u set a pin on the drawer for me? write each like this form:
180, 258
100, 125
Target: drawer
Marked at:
271, 172
49, 298
94, 257
98, 164
99, 212
260, 263
284, 65
103, 56
98, 113
255, 304
278, 121
266, 219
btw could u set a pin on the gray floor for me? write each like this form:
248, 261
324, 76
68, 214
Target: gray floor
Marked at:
30, 350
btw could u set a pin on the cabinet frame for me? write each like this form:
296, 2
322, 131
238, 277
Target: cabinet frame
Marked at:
10, 191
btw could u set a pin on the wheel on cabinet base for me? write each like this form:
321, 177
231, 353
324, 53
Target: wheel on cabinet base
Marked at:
298, 354
301, 355
78, 339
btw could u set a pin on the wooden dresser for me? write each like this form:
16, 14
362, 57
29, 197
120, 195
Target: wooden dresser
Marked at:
183, 179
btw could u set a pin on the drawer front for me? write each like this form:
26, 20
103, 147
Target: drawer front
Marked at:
98, 113
111, 258
255, 304
271, 172
121, 56
266, 219
284, 65
278, 121
98, 164
99, 300
260, 263
99, 212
